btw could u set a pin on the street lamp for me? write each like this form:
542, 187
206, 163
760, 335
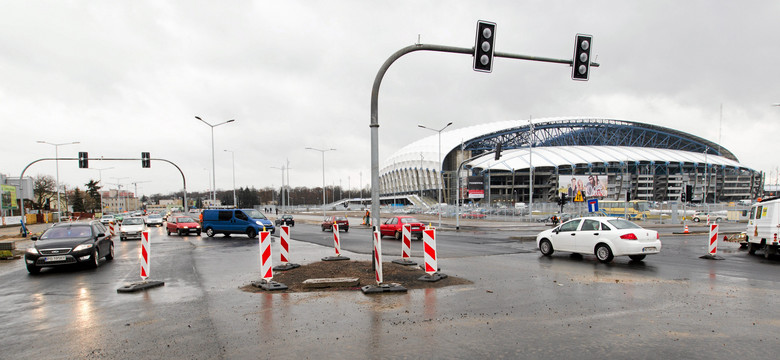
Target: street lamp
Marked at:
440, 167
213, 171
281, 192
233, 155
57, 162
323, 175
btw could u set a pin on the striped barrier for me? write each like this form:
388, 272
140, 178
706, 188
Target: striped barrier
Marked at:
336, 245
111, 228
284, 250
380, 286
406, 246
712, 249
145, 260
266, 270
431, 257
378, 257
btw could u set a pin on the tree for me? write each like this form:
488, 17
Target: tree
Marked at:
43, 187
92, 199
78, 201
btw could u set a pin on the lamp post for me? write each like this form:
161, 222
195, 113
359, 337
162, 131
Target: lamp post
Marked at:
213, 171
57, 166
323, 174
233, 156
441, 180
123, 204
281, 193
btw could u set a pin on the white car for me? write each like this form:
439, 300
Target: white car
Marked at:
105, 219
154, 220
605, 237
131, 228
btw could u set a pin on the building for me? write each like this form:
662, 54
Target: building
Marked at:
117, 201
623, 158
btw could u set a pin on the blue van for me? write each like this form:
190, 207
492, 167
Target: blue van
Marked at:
235, 221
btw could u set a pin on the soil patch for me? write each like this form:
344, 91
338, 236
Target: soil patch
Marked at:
406, 276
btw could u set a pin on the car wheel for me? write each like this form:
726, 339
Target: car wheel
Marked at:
767, 252
545, 246
717, 219
110, 255
397, 235
751, 248
121, 239
95, 259
419, 238
346, 229
604, 253
696, 219
210, 232
32, 269
637, 257
179, 232
251, 233
198, 233
168, 231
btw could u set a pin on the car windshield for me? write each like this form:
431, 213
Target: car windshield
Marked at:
64, 232
623, 224
108, 216
409, 220
184, 219
155, 216
340, 218
254, 214
133, 221
287, 217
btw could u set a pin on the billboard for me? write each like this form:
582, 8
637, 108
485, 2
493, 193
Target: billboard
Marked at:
593, 186
476, 187
8, 193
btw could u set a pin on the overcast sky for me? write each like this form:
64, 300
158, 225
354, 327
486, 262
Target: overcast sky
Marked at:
122, 77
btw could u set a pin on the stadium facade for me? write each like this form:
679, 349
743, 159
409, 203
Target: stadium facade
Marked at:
617, 157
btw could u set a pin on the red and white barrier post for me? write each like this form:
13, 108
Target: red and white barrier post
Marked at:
284, 250
266, 272
380, 287
406, 246
712, 249
111, 228
431, 257
336, 245
145, 260
378, 257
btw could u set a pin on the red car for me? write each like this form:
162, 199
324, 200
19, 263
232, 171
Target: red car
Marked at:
393, 227
182, 225
327, 224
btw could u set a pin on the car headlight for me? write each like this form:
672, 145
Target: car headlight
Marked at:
82, 247
32, 250
258, 222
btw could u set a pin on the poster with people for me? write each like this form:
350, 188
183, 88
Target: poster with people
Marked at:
592, 186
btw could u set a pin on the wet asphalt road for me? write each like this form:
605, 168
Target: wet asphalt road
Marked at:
521, 305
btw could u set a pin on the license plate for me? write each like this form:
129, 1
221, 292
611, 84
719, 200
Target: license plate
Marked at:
649, 249
55, 258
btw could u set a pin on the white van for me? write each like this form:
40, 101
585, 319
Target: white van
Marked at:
763, 227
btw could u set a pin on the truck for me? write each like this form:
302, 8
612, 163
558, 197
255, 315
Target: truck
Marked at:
763, 227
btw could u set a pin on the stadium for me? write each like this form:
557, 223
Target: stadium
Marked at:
603, 158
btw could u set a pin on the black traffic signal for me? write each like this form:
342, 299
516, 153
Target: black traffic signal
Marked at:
483, 47
498, 151
628, 195
83, 160
146, 160
688, 193
581, 64
562, 199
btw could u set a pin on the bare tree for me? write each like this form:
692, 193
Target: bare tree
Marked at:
43, 187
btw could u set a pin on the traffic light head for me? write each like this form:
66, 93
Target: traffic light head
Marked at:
498, 151
483, 46
83, 160
581, 62
146, 160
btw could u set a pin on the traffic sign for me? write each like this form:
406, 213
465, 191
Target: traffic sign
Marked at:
593, 205
578, 197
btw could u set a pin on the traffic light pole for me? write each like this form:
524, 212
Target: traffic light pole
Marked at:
374, 125
457, 190
183, 179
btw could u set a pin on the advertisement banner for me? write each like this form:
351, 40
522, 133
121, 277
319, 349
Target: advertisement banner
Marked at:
476, 187
590, 186
9, 196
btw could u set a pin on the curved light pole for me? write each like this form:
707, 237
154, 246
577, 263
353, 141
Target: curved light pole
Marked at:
213, 171
233, 155
323, 175
57, 166
441, 168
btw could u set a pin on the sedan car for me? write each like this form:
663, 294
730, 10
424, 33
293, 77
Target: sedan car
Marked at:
131, 228
716, 216
286, 220
105, 219
69, 243
182, 225
154, 220
605, 237
393, 227
327, 224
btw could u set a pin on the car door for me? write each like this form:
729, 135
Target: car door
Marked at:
587, 236
388, 228
563, 239
241, 221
